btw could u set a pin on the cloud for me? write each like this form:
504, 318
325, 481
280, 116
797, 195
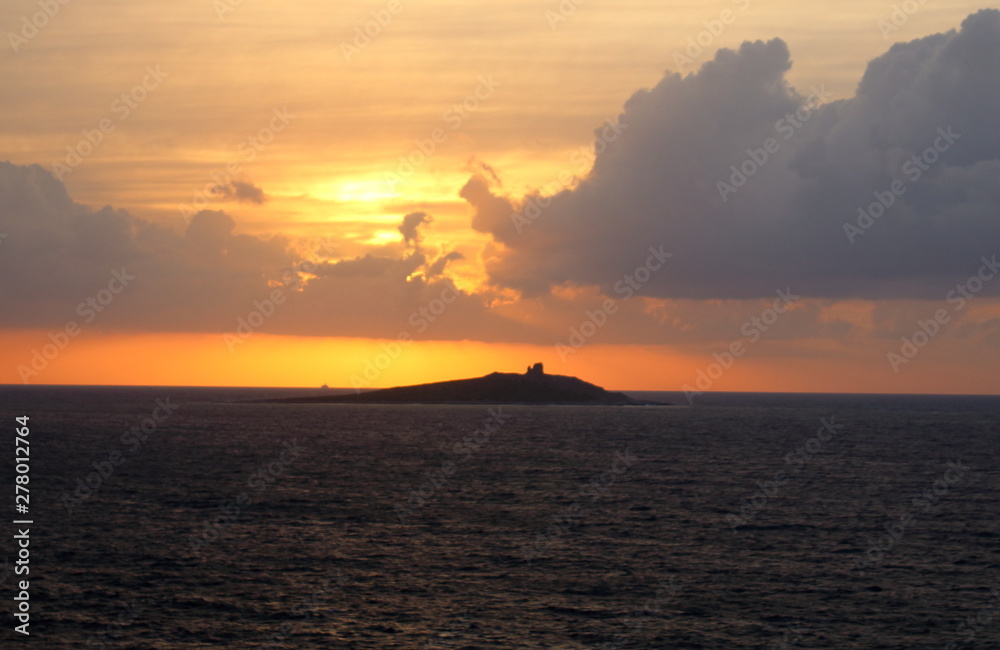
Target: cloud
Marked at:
60, 253
439, 265
688, 168
410, 228
240, 192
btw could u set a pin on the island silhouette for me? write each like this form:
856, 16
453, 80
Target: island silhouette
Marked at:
532, 387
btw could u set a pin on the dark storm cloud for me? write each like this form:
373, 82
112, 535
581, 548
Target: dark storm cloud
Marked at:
754, 185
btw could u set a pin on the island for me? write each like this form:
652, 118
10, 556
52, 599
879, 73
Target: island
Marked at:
532, 387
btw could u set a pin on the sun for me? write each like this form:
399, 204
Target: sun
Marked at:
368, 190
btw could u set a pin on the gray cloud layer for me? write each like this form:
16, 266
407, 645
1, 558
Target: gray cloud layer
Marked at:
58, 253
669, 179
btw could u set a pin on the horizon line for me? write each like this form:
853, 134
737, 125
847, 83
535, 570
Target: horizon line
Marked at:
367, 390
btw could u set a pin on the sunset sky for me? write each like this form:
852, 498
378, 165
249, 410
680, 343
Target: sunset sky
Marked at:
744, 195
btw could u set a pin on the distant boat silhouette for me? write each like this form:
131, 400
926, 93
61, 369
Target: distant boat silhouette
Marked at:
532, 387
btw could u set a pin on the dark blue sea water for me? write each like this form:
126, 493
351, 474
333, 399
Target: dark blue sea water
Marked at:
184, 518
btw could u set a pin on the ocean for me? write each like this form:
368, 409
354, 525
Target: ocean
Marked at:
191, 518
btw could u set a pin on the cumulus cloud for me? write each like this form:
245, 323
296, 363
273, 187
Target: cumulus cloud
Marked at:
59, 253
755, 185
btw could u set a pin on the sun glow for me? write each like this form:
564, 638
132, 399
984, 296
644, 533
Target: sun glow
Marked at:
366, 190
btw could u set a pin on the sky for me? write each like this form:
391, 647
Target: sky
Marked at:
744, 195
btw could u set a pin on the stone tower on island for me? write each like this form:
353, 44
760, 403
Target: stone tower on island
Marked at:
536, 370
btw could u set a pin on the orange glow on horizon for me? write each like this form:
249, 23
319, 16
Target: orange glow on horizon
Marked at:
286, 361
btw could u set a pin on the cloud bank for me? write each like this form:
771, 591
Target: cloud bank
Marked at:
754, 185
57, 254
